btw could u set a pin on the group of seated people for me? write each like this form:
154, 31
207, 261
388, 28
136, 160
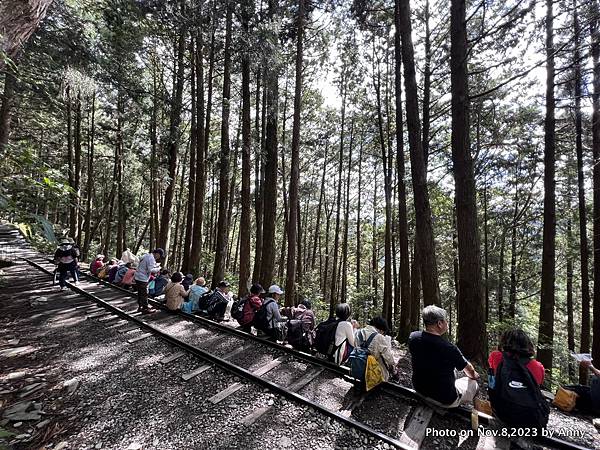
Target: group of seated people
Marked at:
514, 376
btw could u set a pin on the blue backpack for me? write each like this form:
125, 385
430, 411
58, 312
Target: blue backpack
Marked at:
358, 357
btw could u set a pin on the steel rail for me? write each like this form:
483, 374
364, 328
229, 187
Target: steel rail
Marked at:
395, 388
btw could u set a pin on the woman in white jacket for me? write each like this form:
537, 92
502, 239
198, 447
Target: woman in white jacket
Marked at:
381, 345
344, 333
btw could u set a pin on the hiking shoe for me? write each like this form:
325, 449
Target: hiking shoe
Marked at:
148, 310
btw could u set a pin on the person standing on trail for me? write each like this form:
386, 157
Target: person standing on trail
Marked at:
434, 360
142, 277
66, 258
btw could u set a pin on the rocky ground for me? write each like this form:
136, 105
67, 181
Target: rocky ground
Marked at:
71, 383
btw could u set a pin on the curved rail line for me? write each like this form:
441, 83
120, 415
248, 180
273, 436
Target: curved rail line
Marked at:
395, 389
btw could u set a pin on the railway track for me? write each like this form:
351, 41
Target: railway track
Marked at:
280, 373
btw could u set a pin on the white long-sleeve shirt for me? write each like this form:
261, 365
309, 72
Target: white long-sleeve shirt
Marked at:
380, 348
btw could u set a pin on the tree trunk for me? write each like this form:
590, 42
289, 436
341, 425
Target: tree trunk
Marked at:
18, 21
429, 275
200, 184
596, 182
270, 166
259, 159
336, 240
77, 174
584, 343
175, 121
10, 82
344, 271
90, 183
290, 283
415, 289
570, 322
71, 165
358, 224
404, 272
320, 207
245, 219
121, 219
189, 221
546, 324
500, 291
222, 221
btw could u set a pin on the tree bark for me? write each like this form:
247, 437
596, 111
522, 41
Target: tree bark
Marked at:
270, 166
292, 248
10, 82
259, 128
429, 275
596, 177
245, 219
546, 324
222, 221
18, 21
189, 221
90, 183
584, 343
173, 146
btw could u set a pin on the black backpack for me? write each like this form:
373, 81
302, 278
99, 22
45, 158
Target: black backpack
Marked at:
297, 337
237, 309
515, 396
260, 318
324, 341
204, 299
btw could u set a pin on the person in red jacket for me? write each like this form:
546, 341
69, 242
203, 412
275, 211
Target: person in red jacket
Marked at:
97, 264
252, 304
516, 342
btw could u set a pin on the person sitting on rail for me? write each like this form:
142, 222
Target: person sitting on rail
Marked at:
588, 397
142, 276
219, 304
514, 382
300, 324
121, 271
175, 293
188, 280
160, 282
381, 345
127, 282
268, 318
197, 290
66, 258
97, 264
344, 333
252, 303
112, 272
434, 360
104, 270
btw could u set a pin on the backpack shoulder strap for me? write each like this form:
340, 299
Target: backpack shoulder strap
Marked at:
368, 342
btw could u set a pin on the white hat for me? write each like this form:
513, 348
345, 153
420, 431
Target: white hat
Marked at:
274, 289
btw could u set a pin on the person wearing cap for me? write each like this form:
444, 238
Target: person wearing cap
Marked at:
273, 317
97, 264
252, 304
66, 258
187, 281
219, 305
142, 277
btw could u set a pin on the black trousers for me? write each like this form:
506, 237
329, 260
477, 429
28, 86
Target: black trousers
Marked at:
142, 293
63, 269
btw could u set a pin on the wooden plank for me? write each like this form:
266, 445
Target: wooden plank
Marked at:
255, 415
171, 357
493, 443
99, 314
108, 319
139, 338
27, 392
195, 372
127, 330
220, 396
414, 432
295, 387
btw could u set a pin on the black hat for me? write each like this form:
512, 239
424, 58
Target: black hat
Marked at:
257, 289
223, 284
159, 251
